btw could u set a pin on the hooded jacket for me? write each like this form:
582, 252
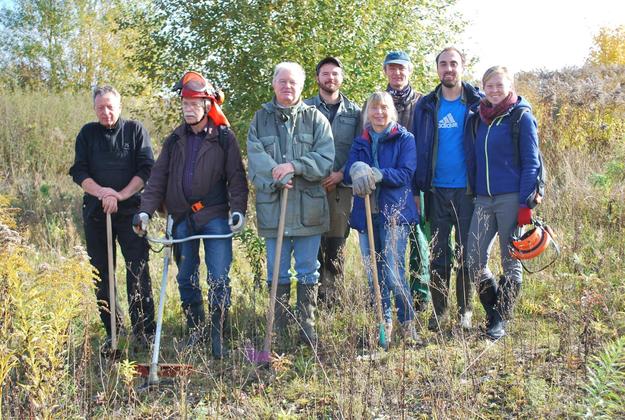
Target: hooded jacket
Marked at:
425, 130
397, 160
497, 171
300, 135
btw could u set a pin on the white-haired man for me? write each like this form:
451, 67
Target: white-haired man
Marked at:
288, 137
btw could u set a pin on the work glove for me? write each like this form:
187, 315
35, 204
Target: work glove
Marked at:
363, 180
140, 223
280, 183
524, 217
377, 175
236, 222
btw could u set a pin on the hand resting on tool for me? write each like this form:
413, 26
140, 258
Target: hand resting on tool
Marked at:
363, 179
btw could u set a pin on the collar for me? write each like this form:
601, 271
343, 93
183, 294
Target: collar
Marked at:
439, 93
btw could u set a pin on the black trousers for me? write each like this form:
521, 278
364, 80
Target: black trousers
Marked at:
450, 208
138, 283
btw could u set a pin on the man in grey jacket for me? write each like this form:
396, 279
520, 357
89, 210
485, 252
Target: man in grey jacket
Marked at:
343, 116
289, 138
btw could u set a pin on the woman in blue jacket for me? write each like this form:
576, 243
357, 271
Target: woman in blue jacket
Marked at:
381, 162
505, 180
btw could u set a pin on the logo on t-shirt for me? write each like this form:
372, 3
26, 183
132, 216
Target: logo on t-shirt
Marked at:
448, 122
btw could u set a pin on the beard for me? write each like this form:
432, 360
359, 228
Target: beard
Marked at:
329, 89
450, 83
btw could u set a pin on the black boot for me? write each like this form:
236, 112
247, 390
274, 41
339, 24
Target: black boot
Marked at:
218, 320
196, 323
439, 290
330, 270
488, 296
282, 308
507, 296
306, 307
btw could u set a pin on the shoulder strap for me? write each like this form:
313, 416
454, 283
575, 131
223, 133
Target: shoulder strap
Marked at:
516, 116
223, 138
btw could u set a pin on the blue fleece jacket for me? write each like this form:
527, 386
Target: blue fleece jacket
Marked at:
397, 163
497, 171
425, 129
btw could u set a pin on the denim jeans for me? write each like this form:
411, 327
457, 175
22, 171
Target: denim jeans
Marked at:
218, 257
390, 247
304, 250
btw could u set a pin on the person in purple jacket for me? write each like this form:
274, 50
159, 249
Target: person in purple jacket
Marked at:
381, 163
505, 179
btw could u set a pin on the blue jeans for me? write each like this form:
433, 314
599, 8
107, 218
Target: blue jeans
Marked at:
218, 257
390, 246
304, 250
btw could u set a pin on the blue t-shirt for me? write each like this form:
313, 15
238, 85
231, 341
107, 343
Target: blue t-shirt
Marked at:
451, 166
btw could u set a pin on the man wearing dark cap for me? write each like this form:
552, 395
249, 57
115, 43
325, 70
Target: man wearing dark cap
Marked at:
397, 68
343, 116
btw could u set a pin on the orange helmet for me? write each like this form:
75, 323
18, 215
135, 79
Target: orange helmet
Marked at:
194, 85
529, 244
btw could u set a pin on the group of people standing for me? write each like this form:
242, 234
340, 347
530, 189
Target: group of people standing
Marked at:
430, 165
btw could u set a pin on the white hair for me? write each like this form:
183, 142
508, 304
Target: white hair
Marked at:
294, 68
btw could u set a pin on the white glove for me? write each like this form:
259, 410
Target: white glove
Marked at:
236, 222
140, 223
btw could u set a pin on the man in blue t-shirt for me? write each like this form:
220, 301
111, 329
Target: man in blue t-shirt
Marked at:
444, 158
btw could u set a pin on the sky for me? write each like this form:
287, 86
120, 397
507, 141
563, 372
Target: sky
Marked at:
534, 34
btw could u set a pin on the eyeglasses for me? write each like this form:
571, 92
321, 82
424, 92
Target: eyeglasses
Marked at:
192, 105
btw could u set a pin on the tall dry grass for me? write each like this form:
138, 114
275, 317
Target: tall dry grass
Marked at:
562, 358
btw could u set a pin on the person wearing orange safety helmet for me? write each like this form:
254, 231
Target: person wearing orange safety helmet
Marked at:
200, 179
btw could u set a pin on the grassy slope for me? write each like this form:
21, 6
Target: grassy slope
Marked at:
564, 318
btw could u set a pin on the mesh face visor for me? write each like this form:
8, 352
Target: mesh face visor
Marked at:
535, 248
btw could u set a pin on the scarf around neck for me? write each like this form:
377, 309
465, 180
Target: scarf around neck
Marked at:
488, 112
399, 96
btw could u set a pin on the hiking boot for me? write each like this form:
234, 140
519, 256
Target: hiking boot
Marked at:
142, 342
306, 307
409, 333
495, 328
218, 319
507, 295
282, 310
388, 330
436, 322
196, 324
465, 320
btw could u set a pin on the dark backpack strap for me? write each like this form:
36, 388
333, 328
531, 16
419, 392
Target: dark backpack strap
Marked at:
516, 116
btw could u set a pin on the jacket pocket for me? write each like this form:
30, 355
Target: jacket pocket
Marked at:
270, 144
267, 209
313, 206
303, 143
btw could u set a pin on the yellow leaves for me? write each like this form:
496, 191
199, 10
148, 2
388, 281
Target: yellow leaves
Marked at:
40, 303
609, 46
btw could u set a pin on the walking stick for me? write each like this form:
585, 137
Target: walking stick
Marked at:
264, 356
374, 269
112, 294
